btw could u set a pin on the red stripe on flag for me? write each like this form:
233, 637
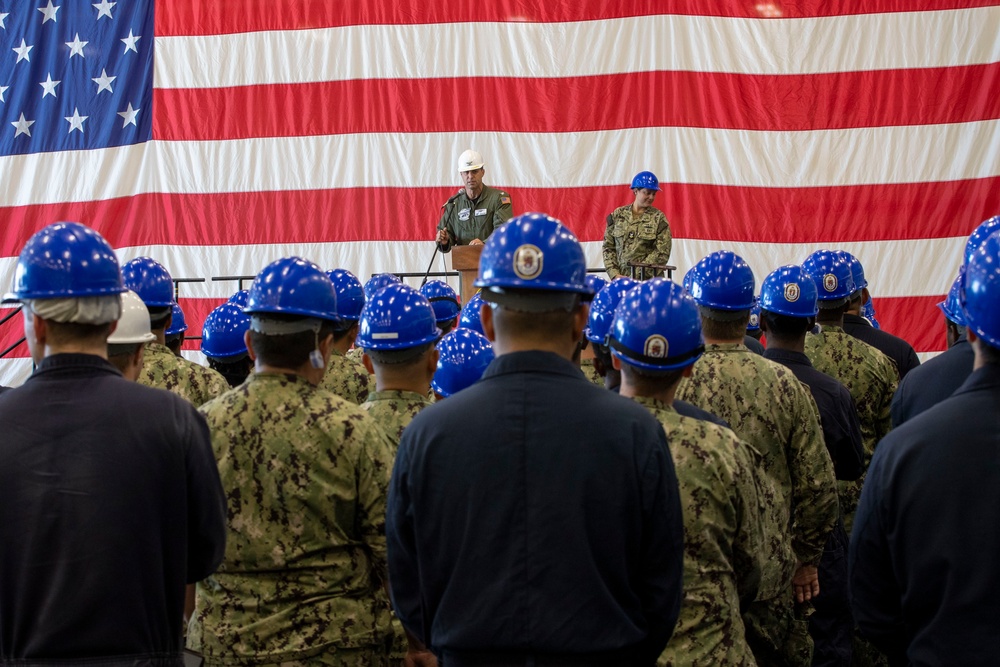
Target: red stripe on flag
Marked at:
197, 17
583, 104
881, 212
916, 319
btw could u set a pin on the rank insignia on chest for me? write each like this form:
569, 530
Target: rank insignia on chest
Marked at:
647, 229
463, 215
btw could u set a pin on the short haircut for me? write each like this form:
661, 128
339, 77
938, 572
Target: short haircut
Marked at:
123, 349
719, 329
988, 353
158, 316
649, 382
234, 370
68, 332
341, 329
786, 327
536, 325
602, 353
404, 357
834, 308
287, 350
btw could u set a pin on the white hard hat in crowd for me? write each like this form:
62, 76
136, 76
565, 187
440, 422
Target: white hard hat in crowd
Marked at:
470, 160
133, 326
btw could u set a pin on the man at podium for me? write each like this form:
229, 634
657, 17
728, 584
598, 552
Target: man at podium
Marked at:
472, 213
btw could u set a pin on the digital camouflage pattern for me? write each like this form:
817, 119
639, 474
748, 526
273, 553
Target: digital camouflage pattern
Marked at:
347, 378
871, 378
393, 410
767, 407
645, 239
306, 474
722, 540
587, 366
355, 354
162, 369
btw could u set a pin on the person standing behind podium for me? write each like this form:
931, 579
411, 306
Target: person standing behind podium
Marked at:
637, 232
472, 213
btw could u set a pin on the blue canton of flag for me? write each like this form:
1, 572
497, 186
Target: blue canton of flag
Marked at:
75, 74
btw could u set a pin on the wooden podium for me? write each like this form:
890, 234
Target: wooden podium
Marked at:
465, 260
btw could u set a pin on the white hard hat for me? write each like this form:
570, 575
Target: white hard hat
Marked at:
470, 160
133, 326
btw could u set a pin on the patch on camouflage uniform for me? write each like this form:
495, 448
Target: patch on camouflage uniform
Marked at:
830, 282
655, 347
504, 200
528, 261
792, 292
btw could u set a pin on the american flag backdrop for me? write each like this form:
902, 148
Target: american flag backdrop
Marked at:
218, 135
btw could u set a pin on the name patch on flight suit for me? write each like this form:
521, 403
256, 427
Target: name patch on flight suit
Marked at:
647, 231
463, 215
480, 211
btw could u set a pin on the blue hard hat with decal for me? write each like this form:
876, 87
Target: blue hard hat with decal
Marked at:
602, 309
831, 271
645, 180
754, 323
293, 286
66, 259
463, 356
443, 299
980, 292
222, 336
657, 327
533, 251
150, 280
723, 281
789, 290
396, 318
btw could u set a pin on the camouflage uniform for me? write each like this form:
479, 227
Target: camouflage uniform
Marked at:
355, 354
303, 578
645, 239
722, 540
776, 415
871, 378
392, 410
348, 379
587, 366
161, 368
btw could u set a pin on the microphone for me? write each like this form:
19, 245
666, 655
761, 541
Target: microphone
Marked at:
453, 198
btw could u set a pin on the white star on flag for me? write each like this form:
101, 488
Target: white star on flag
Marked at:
104, 81
129, 116
22, 52
22, 125
104, 9
3, 17
76, 46
49, 13
3, 89
129, 42
76, 120
49, 86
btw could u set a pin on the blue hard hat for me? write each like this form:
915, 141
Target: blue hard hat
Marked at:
443, 299
241, 298
657, 327
177, 323
396, 318
688, 281
754, 323
981, 233
66, 259
470, 318
789, 290
980, 294
150, 280
293, 286
952, 305
645, 179
723, 281
350, 294
595, 283
463, 357
533, 251
602, 310
222, 336
831, 271
868, 312
380, 281
857, 271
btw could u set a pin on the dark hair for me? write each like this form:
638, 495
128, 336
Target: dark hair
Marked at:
287, 350
545, 323
786, 327
64, 332
158, 316
235, 371
648, 382
724, 329
407, 356
988, 353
